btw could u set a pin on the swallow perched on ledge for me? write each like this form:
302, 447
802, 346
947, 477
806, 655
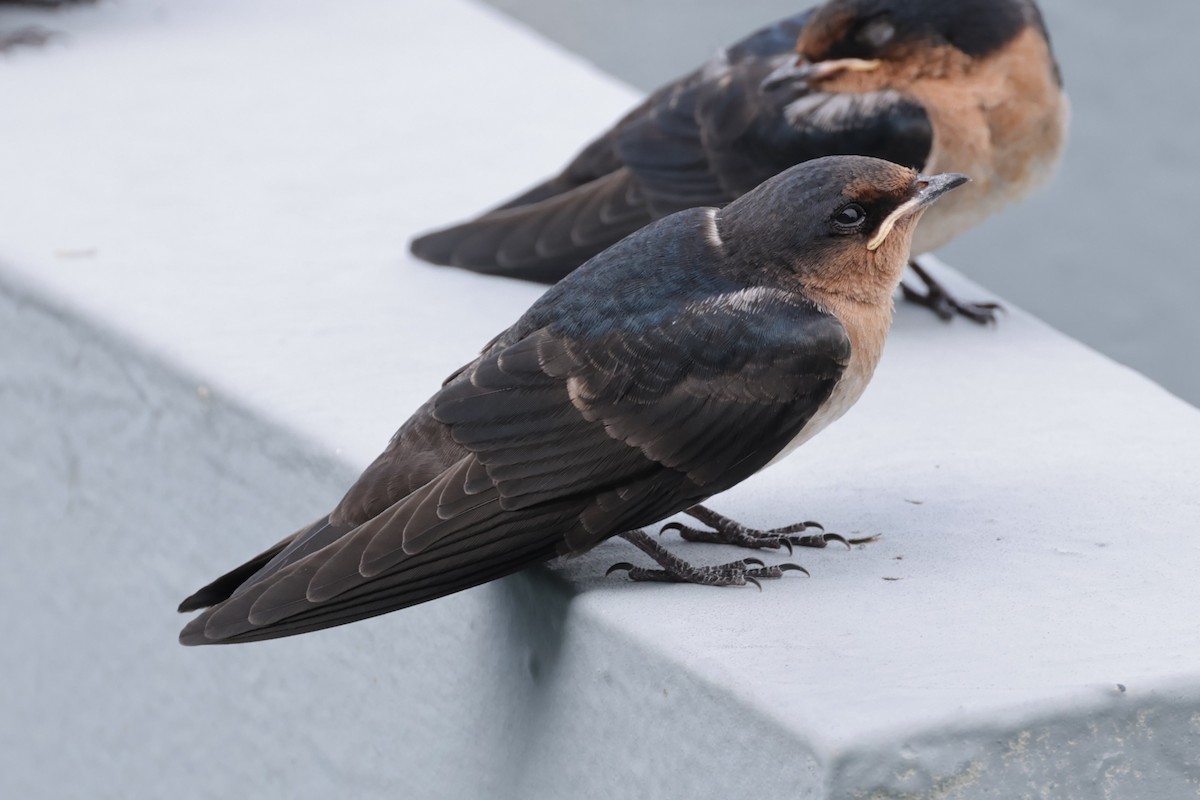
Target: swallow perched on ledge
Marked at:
669, 368
967, 86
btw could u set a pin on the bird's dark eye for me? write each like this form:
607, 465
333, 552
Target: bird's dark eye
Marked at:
877, 32
850, 217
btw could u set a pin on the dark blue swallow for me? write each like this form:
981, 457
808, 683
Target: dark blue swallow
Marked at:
669, 368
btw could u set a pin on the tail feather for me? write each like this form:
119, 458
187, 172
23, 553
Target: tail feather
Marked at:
544, 240
294, 547
224, 586
543, 191
459, 562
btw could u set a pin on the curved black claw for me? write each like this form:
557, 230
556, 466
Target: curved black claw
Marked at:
749, 579
620, 565
773, 572
937, 299
749, 561
837, 537
983, 313
947, 307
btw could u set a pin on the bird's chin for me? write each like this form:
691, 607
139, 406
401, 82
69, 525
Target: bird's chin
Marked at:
894, 251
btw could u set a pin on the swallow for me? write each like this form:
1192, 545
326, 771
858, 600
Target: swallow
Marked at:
969, 86
670, 367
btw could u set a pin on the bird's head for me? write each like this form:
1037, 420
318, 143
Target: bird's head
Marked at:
856, 36
842, 222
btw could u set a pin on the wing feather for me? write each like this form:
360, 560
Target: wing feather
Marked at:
556, 437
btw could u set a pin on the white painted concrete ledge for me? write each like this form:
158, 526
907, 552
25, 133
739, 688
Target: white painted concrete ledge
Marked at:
202, 276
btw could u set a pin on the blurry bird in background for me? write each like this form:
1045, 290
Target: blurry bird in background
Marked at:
672, 366
967, 86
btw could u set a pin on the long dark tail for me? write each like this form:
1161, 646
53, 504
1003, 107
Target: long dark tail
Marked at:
544, 240
223, 587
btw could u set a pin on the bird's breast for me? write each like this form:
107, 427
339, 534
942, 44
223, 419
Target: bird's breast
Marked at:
845, 394
1004, 123
867, 326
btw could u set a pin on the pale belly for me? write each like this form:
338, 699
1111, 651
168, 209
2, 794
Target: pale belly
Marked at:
845, 394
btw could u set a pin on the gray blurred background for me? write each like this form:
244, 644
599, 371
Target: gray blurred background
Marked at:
1103, 253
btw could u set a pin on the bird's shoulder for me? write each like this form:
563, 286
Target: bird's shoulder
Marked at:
662, 137
717, 133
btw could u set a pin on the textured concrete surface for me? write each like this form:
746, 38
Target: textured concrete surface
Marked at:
126, 484
207, 327
1100, 253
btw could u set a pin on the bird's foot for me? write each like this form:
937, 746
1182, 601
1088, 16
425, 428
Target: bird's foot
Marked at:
728, 531
676, 570
945, 305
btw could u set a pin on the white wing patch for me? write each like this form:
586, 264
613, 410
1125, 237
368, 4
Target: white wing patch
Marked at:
829, 111
744, 301
712, 233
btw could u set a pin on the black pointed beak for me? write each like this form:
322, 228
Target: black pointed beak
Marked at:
931, 187
790, 70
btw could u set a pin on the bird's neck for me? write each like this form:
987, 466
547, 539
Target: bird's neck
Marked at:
865, 311
870, 285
